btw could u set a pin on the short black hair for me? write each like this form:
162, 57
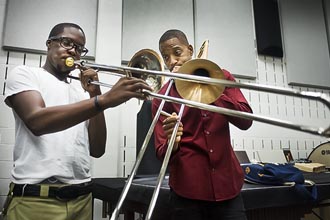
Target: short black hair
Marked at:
59, 28
174, 33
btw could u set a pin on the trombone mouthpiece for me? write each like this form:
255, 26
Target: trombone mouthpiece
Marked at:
69, 62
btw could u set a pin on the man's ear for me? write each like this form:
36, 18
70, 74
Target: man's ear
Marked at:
48, 43
191, 49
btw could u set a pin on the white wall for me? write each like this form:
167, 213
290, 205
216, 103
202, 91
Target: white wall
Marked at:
121, 120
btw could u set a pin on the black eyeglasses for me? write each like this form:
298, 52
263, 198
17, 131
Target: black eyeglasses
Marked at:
68, 43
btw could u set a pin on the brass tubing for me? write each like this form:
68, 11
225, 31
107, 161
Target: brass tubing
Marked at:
265, 88
207, 80
225, 111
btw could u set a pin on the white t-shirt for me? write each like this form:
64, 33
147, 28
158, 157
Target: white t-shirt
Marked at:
63, 154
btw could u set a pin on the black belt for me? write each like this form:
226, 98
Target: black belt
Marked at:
66, 192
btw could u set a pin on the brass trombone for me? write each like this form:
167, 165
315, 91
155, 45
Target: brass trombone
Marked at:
189, 71
317, 96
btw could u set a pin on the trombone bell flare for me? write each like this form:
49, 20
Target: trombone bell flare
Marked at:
148, 59
200, 92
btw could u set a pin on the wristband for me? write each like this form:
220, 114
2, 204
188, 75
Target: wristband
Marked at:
97, 105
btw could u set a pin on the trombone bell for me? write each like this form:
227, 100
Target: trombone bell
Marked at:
148, 59
200, 92
201, 66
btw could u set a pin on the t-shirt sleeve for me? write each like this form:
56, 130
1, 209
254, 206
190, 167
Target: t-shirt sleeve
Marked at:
20, 79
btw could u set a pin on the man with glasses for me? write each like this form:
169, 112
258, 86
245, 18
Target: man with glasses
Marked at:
58, 127
68, 43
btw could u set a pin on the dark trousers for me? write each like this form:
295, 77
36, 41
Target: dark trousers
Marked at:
184, 209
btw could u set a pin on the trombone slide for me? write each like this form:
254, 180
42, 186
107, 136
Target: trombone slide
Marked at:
207, 80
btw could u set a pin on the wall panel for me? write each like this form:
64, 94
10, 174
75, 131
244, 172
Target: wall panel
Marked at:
229, 27
27, 29
305, 43
144, 21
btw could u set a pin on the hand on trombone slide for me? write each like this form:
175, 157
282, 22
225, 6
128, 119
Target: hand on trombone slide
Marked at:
127, 88
168, 126
87, 75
